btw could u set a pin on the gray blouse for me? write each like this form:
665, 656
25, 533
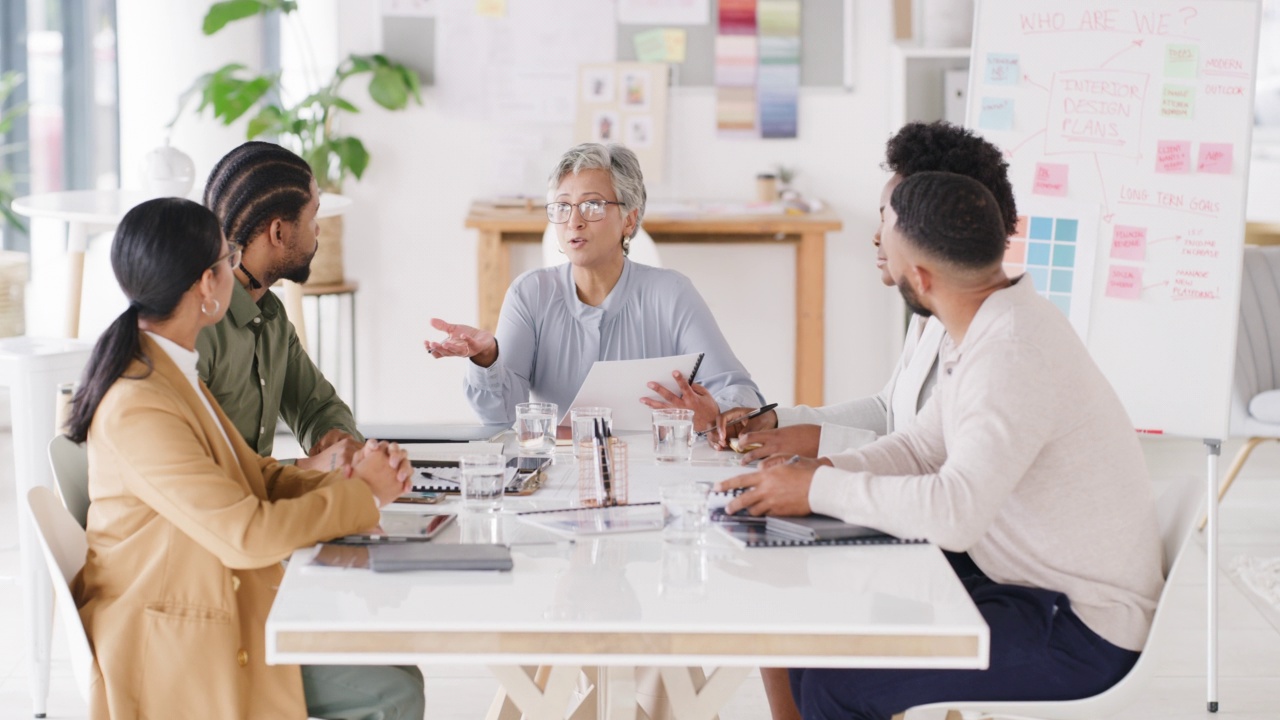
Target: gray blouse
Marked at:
548, 339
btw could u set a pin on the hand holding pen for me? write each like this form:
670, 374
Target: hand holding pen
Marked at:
738, 420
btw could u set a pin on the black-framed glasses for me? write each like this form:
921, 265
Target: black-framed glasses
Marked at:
232, 257
591, 210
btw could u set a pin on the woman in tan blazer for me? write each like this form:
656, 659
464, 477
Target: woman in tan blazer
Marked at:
187, 525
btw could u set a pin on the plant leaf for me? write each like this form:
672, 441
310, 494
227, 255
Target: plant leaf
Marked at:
12, 217
343, 104
221, 13
387, 88
351, 155
411, 81
235, 97
267, 120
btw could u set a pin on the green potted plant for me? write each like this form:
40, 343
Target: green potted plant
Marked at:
8, 82
311, 125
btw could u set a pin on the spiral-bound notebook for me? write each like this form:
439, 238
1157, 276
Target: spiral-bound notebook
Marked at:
752, 533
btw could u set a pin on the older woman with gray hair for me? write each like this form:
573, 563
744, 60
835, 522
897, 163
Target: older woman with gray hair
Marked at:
556, 322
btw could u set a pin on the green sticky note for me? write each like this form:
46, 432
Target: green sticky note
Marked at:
1178, 101
651, 46
1181, 61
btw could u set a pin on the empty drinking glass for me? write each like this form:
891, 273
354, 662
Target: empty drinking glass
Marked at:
536, 427
483, 479
673, 435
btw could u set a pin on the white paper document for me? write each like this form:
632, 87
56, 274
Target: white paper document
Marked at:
619, 384
449, 451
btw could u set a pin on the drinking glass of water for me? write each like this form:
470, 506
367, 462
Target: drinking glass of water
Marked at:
673, 435
536, 427
483, 478
685, 511
585, 421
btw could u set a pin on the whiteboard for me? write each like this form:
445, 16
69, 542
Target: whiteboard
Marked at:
1127, 126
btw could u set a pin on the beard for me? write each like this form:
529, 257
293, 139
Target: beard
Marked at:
911, 299
298, 269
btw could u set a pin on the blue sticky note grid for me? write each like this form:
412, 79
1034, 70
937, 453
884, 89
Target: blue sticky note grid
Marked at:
1002, 69
1064, 256
1050, 258
997, 114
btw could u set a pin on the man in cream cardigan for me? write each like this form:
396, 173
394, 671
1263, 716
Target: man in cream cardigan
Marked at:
1024, 465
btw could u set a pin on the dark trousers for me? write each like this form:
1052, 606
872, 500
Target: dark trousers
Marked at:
1040, 650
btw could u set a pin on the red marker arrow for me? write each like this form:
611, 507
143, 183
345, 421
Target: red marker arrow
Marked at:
1016, 148
1148, 287
1034, 83
1107, 215
1171, 237
1132, 45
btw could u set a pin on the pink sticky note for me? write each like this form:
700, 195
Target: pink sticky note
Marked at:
1129, 243
1173, 156
1215, 158
1124, 283
1051, 179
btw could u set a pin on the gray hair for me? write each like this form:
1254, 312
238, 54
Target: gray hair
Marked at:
623, 167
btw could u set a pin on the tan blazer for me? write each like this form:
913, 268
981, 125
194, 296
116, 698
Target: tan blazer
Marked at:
185, 538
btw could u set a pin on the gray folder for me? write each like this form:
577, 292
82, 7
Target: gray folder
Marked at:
402, 557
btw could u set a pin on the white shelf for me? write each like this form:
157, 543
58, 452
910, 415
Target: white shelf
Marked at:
912, 51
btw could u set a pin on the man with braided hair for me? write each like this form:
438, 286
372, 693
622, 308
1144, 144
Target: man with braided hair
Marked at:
266, 201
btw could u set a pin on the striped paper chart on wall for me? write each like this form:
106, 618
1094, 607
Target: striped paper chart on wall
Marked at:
758, 68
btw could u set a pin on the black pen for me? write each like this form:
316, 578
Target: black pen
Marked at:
753, 414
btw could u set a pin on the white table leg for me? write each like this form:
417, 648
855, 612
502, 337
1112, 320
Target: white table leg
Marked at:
690, 702
77, 243
32, 375
549, 702
616, 693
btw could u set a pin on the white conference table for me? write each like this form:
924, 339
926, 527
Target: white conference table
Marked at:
617, 602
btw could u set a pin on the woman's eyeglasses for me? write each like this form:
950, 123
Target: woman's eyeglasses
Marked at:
232, 257
592, 210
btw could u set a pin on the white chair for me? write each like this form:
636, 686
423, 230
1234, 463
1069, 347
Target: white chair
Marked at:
1176, 509
1255, 393
643, 249
71, 471
64, 546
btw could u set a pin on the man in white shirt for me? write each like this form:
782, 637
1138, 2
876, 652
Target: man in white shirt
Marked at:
1024, 459
814, 432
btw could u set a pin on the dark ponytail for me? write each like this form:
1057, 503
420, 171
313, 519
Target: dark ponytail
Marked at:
161, 248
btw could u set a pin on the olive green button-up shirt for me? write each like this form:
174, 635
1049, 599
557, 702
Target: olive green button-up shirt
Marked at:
254, 365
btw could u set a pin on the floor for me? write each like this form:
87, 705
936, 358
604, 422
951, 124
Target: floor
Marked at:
1249, 631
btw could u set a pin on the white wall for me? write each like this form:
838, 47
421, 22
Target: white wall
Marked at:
407, 246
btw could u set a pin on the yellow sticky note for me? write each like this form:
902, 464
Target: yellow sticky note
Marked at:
675, 45
491, 8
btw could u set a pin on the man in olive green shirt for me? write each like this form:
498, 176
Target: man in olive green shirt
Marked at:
251, 360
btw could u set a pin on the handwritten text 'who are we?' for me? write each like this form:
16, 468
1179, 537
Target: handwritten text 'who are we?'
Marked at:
1142, 22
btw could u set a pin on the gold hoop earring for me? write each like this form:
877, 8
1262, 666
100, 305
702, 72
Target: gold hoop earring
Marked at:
216, 307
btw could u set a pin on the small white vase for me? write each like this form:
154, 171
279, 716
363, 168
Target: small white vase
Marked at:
168, 172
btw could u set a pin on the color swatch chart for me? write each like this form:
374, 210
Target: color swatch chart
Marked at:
1045, 249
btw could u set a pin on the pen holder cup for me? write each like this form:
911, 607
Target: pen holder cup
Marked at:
592, 490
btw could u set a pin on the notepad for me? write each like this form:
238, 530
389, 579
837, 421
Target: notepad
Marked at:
640, 517
817, 527
430, 556
619, 384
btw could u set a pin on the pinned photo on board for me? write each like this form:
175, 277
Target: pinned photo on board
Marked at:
605, 127
639, 132
635, 90
597, 85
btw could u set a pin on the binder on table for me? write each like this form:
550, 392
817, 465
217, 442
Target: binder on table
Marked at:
751, 532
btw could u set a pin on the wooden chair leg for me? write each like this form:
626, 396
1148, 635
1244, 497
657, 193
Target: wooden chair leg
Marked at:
1236, 465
